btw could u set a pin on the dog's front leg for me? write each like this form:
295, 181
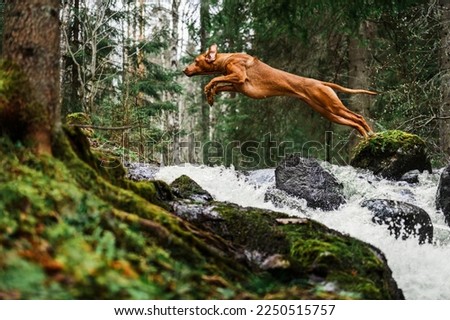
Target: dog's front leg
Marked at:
210, 91
210, 96
237, 75
231, 78
216, 89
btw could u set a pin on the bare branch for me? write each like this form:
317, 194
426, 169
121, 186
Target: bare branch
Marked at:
88, 126
435, 118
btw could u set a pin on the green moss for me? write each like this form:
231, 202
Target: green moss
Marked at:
387, 142
311, 251
74, 230
391, 154
255, 228
352, 265
11, 81
187, 188
18, 113
80, 118
110, 168
20, 278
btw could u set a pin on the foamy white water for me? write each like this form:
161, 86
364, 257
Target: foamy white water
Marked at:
421, 271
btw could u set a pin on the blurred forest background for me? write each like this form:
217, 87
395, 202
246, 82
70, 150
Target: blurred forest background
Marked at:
122, 61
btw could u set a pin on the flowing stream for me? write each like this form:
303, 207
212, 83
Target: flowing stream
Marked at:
422, 271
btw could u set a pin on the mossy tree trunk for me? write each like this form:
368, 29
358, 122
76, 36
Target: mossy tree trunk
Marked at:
31, 40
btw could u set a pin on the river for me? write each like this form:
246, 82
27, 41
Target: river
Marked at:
421, 271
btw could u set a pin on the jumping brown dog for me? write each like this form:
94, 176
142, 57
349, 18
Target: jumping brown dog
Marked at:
243, 73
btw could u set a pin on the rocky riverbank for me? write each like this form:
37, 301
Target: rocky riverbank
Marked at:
73, 228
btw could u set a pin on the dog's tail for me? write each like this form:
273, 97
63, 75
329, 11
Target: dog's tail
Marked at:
347, 90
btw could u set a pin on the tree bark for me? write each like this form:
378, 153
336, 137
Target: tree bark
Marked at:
31, 40
444, 110
2, 15
204, 27
359, 72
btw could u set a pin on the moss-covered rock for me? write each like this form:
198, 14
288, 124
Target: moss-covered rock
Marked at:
68, 230
299, 253
354, 267
391, 154
185, 187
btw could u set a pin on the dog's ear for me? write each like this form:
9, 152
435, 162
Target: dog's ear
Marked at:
211, 53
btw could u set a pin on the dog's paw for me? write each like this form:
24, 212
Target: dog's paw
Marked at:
210, 99
208, 89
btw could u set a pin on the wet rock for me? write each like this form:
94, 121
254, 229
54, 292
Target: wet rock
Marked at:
411, 177
306, 179
186, 188
391, 154
281, 199
194, 211
141, 171
403, 219
443, 194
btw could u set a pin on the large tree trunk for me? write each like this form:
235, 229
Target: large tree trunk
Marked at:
444, 110
32, 41
359, 73
204, 38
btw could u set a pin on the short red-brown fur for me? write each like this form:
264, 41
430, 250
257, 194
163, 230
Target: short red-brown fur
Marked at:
240, 72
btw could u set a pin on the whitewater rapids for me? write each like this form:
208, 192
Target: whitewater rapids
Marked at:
421, 271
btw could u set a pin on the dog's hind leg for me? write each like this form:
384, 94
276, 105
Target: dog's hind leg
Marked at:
344, 120
348, 122
326, 102
353, 116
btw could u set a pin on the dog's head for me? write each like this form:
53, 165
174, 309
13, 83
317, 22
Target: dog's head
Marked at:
203, 64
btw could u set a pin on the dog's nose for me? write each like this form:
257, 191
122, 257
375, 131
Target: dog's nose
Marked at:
186, 72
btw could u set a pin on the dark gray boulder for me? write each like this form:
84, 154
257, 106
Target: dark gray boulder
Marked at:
403, 219
306, 179
443, 194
